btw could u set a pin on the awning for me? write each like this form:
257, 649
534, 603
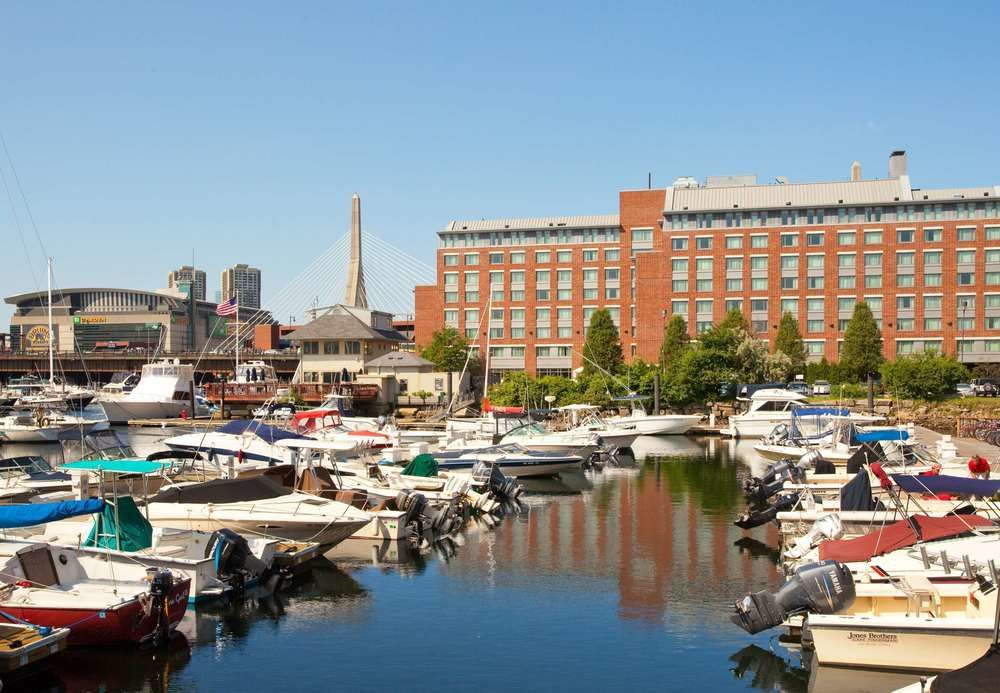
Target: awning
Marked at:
264, 431
876, 436
899, 535
42, 513
944, 483
135, 466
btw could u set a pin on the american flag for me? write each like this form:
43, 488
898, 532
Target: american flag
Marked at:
227, 308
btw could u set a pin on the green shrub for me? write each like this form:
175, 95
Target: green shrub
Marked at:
929, 375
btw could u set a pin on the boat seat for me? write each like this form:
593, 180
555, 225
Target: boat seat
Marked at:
922, 594
37, 565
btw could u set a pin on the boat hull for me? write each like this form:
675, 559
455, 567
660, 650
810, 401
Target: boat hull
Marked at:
930, 644
325, 533
28, 435
123, 622
517, 467
658, 425
124, 410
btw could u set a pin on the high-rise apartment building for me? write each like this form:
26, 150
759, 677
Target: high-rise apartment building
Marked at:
186, 276
243, 282
927, 262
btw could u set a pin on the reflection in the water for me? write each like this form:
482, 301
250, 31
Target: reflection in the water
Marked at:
758, 549
765, 670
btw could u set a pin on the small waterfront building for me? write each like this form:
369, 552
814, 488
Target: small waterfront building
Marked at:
336, 345
402, 374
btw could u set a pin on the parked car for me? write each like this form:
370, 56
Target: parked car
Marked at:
821, 387
985, 387
799, 386
965, 390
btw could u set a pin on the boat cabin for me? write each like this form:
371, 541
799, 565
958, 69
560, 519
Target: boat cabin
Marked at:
255, 372
315, 420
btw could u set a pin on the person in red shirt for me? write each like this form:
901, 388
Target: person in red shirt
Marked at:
979, 468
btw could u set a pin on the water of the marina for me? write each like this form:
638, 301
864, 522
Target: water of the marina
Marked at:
620, 578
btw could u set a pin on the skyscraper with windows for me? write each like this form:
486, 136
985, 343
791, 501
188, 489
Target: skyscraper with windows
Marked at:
927, 261
187, 276
243, 282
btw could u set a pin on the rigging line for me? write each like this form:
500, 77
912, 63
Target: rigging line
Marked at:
403, 256
24, 198
20, 231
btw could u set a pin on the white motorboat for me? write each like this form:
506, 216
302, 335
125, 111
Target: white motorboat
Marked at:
165, 390
30, 427
768, 408
581, 442
654, 424
611, 435
256, 506
512, 459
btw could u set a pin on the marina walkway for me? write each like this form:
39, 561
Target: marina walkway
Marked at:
967, 447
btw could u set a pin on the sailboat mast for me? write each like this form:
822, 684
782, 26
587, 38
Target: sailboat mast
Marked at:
237, 334
52, 360
486, 369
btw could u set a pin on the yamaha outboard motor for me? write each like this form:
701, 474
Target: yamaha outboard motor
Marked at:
820, 588
758, 489
234, 561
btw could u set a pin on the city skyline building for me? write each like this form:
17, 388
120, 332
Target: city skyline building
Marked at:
927, 261
243, 282
187, 275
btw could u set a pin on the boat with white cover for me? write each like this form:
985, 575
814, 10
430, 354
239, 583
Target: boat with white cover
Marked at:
653, 424
165, 389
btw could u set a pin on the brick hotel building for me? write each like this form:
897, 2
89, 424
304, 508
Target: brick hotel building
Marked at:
926, 261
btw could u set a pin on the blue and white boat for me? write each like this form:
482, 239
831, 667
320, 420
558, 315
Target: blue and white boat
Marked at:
511, 458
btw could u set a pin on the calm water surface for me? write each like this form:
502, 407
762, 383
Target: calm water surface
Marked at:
617, 578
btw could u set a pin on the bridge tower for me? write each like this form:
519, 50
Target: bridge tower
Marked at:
356, 295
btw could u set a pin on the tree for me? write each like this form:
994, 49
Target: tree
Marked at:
929, 375
788, 341
675, 341
697, 376
423, 395
725, 337
756, 364
447, 351
603, 346
862, 352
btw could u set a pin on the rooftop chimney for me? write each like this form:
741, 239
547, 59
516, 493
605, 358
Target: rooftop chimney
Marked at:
897, 164
856, 170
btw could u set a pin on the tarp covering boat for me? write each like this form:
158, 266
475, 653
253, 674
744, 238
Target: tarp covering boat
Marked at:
117, 466
235, 490
878, 436
121, 527
422, 465
856, 494
979, 675
265, 432
898, 535
944, 483
42, 513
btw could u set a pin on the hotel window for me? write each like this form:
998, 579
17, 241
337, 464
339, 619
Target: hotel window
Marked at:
564, 275
847, 260
932, 324
993, 233
966, 234
814, 325
814, 348
703, 285
992, 323
471, 333
758, 262
612, 274
814, 305
904, 302
873, 281
873, 259
496, 315
679, 265
642, 235
734, 285
758, 326
679, 285
963, 324
760, 241
842, 324
789, 305
993, 278
563, 332
612, 255
734, 304
758, 305
450, 260
564, 313
905, 235
517, 258
703, 326
814, 282
845, 304
847, 238
992, 345
789, 240
965, 257
814, 262
543, 295
874, 303
789, 262
932, 257
932, 303
472, 258
932, 235
564, 256
703, 264
734, 264
543, 256
496, 332
590, 255
679, 307
611, 292
542, 277
352, 347
334, 347
734, 242
873, 237
903, 348
905, 259
451, 297
564, 294
679, 244
450, 318
904, 281
703, 307
310, 348
543, 316
517, 277
496, 258
965, 303
589, 275
789, 282
703, 242
451, 279
992, 255
517, 314
993, 300
966, 278
758, 284
814, 239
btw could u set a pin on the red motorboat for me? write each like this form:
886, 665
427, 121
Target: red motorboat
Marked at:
98, 601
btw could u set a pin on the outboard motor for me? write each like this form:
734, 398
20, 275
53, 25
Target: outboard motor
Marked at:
820, 588
756, 518
758, 489
419, 511
826, 527
161, 581
234, 561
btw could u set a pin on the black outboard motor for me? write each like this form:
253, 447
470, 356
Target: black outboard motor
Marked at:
161, 581
234, 561
758, 489
755, 518
820, 588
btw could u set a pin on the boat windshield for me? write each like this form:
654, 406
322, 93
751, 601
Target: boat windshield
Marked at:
17, 466
526, 431
99, 445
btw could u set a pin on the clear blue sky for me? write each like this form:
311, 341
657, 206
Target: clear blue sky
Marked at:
142, 130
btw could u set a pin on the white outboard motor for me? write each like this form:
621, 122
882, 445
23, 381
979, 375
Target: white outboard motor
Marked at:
826, 527
820, 588
809, 460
